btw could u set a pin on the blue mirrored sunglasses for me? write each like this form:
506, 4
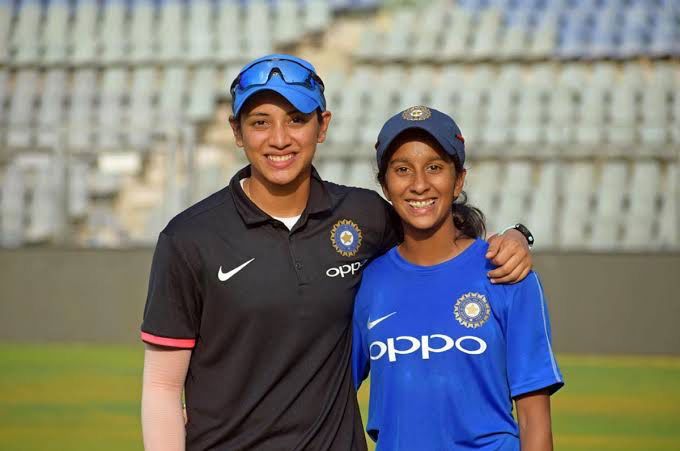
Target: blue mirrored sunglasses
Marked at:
292, 72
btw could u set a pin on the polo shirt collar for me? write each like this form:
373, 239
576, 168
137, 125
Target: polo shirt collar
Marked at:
319, 198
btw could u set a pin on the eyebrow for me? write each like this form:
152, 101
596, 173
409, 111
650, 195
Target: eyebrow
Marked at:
289, 113
403, 160
399, 160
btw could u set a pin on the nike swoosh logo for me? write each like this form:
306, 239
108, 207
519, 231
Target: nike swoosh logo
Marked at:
224, 276
372, 324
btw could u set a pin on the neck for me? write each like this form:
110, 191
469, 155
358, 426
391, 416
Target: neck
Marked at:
433, 246
282, 201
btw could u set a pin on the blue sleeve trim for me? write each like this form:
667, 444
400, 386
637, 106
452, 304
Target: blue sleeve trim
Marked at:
545, 329
551, 384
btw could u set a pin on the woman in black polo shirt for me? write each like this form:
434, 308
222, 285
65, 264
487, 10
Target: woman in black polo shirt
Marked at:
251, 289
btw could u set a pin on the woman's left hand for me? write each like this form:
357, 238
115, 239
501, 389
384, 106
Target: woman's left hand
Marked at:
510, 252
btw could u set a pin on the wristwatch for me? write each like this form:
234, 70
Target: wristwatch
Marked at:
521, 228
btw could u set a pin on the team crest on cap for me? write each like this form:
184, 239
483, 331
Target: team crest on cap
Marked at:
346, 237
416, 113
472, 310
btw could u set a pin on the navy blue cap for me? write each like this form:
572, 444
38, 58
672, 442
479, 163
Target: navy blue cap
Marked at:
440, 126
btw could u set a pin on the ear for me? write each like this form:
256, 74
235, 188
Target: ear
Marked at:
326, 117
236, 129
460, 182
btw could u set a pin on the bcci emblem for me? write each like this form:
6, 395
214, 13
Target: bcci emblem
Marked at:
416, 113
346, 237
472, 310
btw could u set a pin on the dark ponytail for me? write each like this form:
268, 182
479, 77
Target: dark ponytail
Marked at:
469, 220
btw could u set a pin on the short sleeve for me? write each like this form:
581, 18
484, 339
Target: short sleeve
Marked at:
531, 364
360, 358
171, 311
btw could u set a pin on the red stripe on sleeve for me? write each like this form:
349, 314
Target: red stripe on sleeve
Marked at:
173, 342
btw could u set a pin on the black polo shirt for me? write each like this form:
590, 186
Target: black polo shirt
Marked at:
267, 312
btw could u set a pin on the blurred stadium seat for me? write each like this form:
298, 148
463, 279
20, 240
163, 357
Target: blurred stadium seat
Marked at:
576, 218
110, 109
83, 34
25, 46
202, 92
543, 210
51, 110
5, 24
141, 105
12, 208
608, 220
112, 43
80, 118
21, 108
200, 37
571, 109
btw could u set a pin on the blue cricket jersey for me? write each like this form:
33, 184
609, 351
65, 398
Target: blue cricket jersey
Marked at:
447, 351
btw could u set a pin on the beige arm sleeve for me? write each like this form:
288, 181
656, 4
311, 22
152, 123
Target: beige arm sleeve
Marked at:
162, 418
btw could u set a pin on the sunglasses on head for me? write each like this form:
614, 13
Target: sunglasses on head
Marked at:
292, 72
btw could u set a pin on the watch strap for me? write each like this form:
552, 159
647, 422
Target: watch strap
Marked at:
524, 230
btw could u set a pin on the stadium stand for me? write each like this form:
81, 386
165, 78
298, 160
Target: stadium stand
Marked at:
571, 110
510, 29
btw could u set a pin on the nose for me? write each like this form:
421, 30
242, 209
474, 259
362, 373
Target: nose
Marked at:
279, 137
419, 184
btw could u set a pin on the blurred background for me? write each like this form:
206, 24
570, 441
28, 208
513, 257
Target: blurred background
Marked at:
113, 118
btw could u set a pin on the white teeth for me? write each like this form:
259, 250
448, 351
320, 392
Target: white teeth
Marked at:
421, 203
280, 157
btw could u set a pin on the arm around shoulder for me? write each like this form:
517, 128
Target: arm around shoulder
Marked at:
510, 252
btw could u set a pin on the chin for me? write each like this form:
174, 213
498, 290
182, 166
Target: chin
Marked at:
423, 223
421, 226
283, 177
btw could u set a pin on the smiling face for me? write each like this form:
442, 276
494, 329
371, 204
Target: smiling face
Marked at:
422, 183
279, 141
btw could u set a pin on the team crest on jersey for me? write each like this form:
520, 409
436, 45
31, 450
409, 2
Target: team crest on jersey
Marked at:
346, 237
472, 310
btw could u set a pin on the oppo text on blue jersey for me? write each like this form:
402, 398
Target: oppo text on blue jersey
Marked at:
467, 344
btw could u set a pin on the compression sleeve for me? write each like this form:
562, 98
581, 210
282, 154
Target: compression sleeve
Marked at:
163, 380
172, 305
531, 363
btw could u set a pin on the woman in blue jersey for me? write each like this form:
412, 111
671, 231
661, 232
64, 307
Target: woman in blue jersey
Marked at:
447, 350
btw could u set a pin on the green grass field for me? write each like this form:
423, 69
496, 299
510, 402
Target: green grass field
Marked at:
86, 397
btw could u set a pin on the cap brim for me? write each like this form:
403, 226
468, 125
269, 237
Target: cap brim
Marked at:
300, 100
